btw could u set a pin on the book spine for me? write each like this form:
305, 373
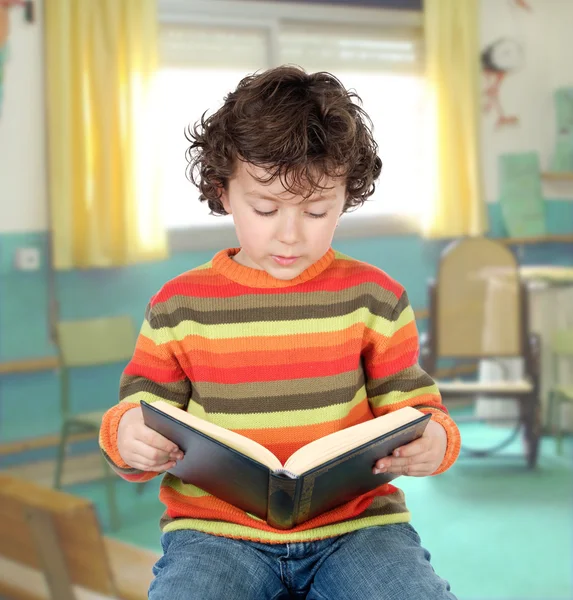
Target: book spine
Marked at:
282, 500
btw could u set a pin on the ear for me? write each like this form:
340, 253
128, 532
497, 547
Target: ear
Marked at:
225, 201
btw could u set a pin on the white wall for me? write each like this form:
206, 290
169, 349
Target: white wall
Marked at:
545, 33
23, 195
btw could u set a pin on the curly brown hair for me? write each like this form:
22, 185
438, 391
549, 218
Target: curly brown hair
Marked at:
299, 127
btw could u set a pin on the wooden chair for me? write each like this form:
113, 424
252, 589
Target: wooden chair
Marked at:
85, 343
478, 309
560, 392
51, 547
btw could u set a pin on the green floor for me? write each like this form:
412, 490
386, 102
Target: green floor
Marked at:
495, 529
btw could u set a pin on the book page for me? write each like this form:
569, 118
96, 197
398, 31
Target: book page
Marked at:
232, 439
339, 442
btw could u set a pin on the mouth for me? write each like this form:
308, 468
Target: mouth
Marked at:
285, 261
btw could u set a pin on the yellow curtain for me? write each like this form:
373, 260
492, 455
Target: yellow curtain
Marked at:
101, 62
451, 29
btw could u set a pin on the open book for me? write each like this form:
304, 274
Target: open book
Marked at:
316, 478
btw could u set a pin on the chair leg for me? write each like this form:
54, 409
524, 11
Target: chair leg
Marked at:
554, 421
558, 425
532, 431
110, 481
61, 457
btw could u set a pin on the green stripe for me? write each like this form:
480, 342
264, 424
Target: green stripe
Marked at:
242, 531
280, 419
185, 489
272, 329
396, 397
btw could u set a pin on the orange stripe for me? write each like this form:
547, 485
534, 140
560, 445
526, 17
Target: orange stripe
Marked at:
299, 436
270, 357
209, 507
194, 343
342, 275
395, 352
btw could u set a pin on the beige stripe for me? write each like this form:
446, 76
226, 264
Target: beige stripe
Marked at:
282, 419
291, 402
409, 379
274, 389
294, 300
177, 392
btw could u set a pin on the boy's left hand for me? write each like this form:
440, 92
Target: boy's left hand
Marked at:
418, 458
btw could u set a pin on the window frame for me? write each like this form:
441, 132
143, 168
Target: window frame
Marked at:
268, 15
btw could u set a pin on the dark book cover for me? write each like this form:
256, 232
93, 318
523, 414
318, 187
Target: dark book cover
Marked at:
278, 497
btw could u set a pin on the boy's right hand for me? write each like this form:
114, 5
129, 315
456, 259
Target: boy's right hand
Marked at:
143, 448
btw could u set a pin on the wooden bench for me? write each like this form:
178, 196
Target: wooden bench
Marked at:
51, 547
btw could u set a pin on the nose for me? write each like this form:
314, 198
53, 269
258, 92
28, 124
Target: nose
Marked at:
289, 228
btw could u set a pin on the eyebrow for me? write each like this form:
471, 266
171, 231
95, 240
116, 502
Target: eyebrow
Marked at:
263, 196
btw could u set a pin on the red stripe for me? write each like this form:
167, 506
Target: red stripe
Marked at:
330, 281
278, 372
157, 375
392, 367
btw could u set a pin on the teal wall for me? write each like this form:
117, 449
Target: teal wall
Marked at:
29, 402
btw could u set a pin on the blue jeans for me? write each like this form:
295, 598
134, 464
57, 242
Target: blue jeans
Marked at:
377, 563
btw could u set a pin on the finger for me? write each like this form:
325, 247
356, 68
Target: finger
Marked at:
144, 465
421, 470
156, 440
389, 463
417, 469
164, 467
417, 447
152, 455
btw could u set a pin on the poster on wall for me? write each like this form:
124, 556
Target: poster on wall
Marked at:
562, 160
500, 58
520, 195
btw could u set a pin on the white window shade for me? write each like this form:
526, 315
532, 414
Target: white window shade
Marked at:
212, 47
202, 62
351, 48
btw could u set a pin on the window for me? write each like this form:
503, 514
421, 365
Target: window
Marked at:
203, 56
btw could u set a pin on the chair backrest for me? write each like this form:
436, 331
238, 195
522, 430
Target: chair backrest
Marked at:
477, 308
55, 533
50, 532
95, 341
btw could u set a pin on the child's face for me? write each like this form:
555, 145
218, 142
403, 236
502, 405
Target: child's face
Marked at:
279, 232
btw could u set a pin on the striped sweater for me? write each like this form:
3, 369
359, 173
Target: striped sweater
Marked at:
283, 363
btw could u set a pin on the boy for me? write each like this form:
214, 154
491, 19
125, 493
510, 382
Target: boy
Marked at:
283, 340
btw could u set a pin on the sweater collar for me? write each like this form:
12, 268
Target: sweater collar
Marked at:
224, 264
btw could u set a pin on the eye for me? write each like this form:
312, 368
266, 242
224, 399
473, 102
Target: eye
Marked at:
265, 214
317, 216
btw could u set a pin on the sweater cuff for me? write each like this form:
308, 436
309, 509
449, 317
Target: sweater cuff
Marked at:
108, 432
453, 435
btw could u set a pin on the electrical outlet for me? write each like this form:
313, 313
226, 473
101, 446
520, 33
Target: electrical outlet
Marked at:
27, 259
